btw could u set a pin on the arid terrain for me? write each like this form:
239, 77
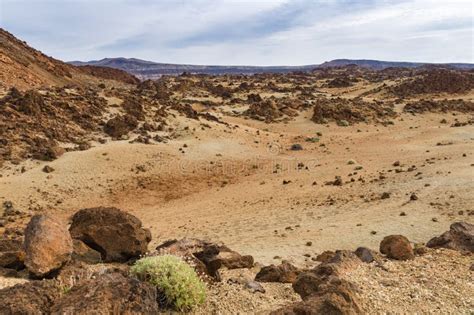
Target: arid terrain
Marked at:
282, 167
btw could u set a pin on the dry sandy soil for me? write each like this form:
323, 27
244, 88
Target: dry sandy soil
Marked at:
229, 186
239, 182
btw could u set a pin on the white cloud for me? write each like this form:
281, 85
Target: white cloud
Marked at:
245, 32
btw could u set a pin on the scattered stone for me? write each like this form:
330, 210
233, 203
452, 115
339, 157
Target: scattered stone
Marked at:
254, 286
397, 247
413, 197
48, 169
296, 147
385, 195
48, 245
365, 254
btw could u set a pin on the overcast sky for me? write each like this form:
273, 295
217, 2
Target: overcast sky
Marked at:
245, 32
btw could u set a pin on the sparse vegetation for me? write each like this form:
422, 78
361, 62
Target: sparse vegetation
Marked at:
175, 279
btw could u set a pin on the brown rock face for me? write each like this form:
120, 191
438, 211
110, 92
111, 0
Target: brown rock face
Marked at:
284, 273
11, 254
116, 235
459, 237
48, 245
109, 294
34, 297
397, 247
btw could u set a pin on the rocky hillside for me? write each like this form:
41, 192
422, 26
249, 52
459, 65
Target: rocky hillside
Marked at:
24, 67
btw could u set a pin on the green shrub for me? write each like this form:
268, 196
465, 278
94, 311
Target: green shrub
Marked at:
176, 280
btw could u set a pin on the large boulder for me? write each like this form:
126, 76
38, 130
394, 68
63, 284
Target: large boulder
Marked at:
48, 245
459, 237
11, 254
34, 297
397, 247
111, 293
283, 273
209, 255
115, 234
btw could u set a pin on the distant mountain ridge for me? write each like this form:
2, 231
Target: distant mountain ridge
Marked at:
144, 69
150, 70
380, 65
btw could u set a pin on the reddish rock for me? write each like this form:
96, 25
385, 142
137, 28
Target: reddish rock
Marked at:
84, 253
48, 245
325, 256
109, 294
284, 273
34, 297
213, 256
459, 237
115, 234
120, 125
11, 254
397, 247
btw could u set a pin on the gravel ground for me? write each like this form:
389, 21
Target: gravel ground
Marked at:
439, 282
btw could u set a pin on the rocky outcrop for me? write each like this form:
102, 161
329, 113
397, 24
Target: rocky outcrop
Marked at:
116, 235
459, 237
397, 247
48, 245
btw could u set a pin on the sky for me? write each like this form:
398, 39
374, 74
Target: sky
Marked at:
245, 32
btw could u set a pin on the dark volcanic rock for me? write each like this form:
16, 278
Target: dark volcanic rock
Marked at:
120, 125
109, 294
334, 297
365, 254
11, 254
34, 297
48, 245
397, 247
459, 237
117, 235
84, 253
284, 273
213, 256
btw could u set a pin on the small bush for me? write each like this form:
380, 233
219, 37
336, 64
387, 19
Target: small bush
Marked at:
176, 280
